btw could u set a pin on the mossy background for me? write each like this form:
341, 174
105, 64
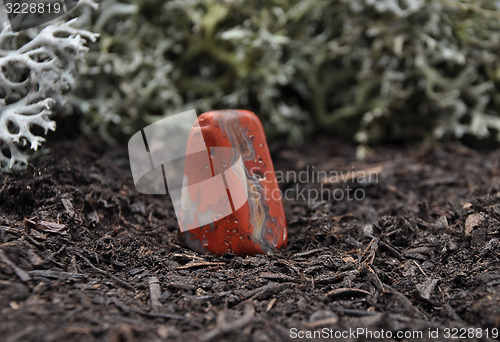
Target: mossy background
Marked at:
363, 70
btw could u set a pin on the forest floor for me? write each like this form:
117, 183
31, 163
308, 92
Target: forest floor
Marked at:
413, 248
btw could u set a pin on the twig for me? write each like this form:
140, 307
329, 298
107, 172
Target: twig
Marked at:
374, 278
98, 257
200, 264
51, 257
33, 241
187, 256
184, 287
120, 305
271, 304
345, 291
56, 253
356, 312
373, 247
392, 250
277, 277
307, 253
420, 268
22, 274
106, 273
265, 291
57, 274
10, 229
224, 327
154, 293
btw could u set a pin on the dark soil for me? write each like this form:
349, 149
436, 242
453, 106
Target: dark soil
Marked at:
84, 256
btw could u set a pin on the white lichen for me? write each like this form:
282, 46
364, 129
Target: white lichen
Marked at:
35, 72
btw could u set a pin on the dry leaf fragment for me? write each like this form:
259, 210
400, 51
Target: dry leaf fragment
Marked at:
45, 226
472, 221
348, 259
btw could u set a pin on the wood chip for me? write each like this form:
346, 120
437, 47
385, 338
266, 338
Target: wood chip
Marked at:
184, 287
51, 227
154, 293
68, 206
276, 276
322, 279
426, 288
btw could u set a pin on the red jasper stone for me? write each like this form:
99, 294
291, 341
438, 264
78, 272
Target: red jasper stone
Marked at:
256, 221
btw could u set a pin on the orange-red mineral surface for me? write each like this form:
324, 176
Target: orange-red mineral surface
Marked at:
250, 219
